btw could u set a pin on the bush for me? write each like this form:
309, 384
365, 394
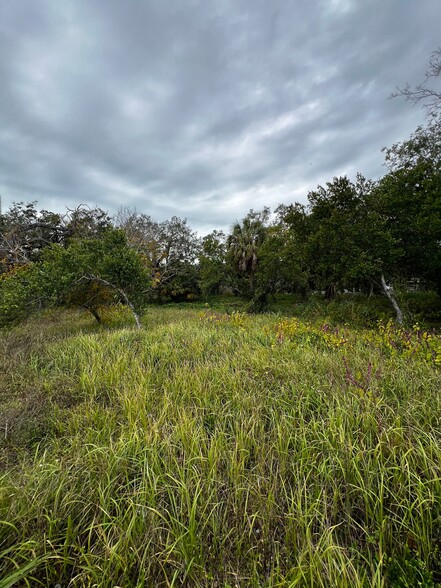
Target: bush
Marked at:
423, 307
258, 304
18, 294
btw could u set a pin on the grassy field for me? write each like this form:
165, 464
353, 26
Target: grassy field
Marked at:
218, 449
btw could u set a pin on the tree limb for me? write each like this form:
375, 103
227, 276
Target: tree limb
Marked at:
120, 291
422, 92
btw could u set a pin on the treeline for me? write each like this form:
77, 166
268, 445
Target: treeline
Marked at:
352, 235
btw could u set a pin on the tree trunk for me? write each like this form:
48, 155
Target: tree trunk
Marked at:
251, 281
330, 292
389, 291
94, 312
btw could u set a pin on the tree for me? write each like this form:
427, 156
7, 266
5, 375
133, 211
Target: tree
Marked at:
84, 222
170, 250
89, 273
347, 245
428, 93
243, 243
177, 268
282, 266
214, 274
24, 232
342, 238
409, 199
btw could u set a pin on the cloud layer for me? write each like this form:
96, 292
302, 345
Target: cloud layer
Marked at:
202, 109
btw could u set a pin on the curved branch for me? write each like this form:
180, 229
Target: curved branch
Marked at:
120, 291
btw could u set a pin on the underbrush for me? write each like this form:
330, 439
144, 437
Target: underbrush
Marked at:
221, 449
361, 311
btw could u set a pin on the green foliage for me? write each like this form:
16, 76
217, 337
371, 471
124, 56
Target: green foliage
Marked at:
25, 232
346, 241
57, 278
19, 293
214, 272
409, 199
357, 310
281, 263
86, 223
258, 303
423, 307
408, 571
243, 245
184, 286
109, 258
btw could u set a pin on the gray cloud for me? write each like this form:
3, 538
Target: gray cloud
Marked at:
202, 109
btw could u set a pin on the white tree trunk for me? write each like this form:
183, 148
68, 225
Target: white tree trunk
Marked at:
389, 291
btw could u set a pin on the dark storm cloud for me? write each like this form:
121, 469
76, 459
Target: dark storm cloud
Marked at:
202, 109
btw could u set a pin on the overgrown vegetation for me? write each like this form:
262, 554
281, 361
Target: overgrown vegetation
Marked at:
281, 429
219, 449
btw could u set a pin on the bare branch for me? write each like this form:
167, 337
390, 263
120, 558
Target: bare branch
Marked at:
422, 93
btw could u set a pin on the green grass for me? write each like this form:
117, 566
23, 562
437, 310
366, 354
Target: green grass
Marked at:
218, 449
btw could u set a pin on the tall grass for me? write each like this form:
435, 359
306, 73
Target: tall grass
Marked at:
215, 449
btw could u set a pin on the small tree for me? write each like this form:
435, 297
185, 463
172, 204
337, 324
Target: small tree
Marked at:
89, 273
94, 272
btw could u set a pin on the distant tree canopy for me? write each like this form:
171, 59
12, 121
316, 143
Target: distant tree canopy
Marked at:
25, 231
215, 275
169, 249
355, 235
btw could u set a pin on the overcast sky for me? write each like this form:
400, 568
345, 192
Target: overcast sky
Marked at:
202, 108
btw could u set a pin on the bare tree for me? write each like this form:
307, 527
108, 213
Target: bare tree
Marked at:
429, 91
25, 231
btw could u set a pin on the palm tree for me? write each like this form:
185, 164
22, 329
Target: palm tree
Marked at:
243, 243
